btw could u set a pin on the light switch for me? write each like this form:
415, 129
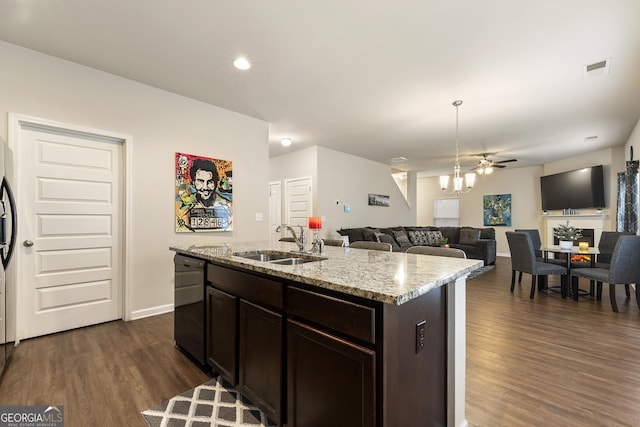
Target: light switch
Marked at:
259, 216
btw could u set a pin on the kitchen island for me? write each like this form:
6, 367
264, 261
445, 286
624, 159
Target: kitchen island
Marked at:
353, 337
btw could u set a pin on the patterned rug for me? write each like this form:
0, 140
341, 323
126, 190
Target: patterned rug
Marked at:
213, 404
481, 270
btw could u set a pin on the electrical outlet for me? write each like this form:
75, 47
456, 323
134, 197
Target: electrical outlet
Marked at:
420, 333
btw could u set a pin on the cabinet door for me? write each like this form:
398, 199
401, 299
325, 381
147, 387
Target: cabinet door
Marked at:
260, 358
221, 333
330, 381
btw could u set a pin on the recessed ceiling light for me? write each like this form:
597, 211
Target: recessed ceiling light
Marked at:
398, 159
242, 63
286, 142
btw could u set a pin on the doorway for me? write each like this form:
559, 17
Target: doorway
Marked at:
70, 185
298, 201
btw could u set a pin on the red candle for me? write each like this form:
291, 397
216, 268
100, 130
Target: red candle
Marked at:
315, 222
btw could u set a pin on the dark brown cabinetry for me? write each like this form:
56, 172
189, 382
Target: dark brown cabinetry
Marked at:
260, 358
221, 333
331, 382
312, 357
245, 334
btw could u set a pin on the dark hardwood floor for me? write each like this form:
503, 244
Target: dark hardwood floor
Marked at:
542, 362
103, 375
549, 361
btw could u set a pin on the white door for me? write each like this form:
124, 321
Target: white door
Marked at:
298, 201
70, 215
275, 209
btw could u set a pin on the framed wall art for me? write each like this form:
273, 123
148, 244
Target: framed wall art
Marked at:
378, 200
204, 194
497, 210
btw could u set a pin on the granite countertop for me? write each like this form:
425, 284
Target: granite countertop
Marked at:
388, 277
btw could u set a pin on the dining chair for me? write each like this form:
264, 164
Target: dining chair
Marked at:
623, 269
437, 251
377, 246
523, 259
606, 244
537, 247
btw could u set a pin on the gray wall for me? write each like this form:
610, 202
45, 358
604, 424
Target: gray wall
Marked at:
347, 179
160, 123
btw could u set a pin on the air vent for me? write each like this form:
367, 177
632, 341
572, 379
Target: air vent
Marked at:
596, 69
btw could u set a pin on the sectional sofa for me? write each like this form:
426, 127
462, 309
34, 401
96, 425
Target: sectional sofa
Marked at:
477, 243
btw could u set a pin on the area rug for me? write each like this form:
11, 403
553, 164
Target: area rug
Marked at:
481, 270
213, 404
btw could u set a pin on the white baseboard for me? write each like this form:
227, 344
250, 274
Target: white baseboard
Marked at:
153, 311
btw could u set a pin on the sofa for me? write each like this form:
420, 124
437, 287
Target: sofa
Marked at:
477, 243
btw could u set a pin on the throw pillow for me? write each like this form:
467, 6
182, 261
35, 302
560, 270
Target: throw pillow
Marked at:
402, 238
469, 236
418, 237
370, 234
385, 238
433, 238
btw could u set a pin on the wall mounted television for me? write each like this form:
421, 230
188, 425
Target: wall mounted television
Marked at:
578, 189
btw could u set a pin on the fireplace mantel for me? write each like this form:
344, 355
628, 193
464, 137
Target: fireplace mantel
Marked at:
595, 221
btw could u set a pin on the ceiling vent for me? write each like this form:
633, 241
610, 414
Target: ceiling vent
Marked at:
596, 69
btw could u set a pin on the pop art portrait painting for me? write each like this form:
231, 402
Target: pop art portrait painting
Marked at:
204, 194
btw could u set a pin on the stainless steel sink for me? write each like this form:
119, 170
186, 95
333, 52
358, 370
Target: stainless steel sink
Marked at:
280, 258
291, 261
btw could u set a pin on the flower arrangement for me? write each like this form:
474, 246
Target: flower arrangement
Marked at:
567, 232
442, 241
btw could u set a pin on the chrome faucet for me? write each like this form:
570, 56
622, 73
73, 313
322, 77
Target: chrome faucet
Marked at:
301, 241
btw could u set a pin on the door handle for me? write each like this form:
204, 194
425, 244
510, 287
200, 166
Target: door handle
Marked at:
27, 243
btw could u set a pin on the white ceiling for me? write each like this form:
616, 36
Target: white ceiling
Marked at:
372, 78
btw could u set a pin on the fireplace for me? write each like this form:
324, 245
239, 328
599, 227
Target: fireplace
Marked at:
588, 235
595, 222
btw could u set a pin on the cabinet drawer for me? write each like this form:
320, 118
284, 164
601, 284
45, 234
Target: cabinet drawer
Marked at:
252, 288
352, 319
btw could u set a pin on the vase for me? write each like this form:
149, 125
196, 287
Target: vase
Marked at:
566, 244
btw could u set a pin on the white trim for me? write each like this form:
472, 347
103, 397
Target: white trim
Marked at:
15, 123
456, 352
153, 311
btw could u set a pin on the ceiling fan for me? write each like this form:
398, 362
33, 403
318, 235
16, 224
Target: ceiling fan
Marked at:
486, 166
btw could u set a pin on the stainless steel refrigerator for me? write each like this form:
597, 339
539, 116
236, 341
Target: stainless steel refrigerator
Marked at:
8, 230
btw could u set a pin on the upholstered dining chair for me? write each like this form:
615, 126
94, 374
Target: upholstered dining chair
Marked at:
623, 269
437, 251
376, 246
537, 247
523, 259
606, 244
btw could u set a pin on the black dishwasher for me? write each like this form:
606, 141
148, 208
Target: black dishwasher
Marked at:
189, 308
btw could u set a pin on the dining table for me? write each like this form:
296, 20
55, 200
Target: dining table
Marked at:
591, 252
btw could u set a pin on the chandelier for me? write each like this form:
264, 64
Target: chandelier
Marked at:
458, 181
